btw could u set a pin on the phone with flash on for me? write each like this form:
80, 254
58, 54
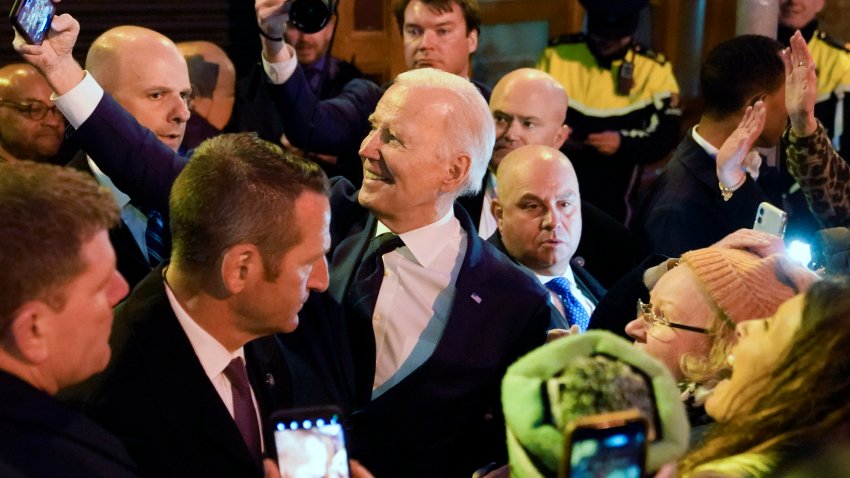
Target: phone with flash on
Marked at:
31, 18
770, 219
310, 442
607, 445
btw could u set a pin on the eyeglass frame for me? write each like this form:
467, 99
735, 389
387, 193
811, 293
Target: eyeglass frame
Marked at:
26, 108
651, 318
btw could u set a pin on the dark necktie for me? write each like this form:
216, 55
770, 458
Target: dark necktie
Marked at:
155, 238
576, 315
244, 412
367, 280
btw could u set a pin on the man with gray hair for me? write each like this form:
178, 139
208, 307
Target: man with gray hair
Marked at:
433, 315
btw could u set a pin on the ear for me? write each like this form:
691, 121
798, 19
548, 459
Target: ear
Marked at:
240, 264
497, 210
561, 136
458, 172
28, 334
472, 40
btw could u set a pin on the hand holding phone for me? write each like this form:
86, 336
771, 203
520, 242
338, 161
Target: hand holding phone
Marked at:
770, 219
310, 442
606, 445
31, 18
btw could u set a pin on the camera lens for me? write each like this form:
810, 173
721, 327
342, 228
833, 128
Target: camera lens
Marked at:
310, 16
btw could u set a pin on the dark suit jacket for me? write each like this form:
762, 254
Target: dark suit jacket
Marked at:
132, 263
588, 286
40, 437
157, 398
254, 111
684, 210
444, 419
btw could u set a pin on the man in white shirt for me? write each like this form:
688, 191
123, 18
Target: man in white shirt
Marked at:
433, 320
538, 211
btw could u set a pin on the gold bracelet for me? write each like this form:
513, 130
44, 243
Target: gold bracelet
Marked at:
726, 193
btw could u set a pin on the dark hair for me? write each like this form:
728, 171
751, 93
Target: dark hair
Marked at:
238, 188
737, 70
804, 396
470, 9
47, 213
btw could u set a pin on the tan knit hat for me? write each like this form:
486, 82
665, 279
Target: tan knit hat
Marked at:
746, 286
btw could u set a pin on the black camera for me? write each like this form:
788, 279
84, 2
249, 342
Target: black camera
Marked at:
310, 16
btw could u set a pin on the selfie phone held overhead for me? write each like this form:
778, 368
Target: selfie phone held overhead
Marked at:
31, 19
310, 442
606, 445
770, 219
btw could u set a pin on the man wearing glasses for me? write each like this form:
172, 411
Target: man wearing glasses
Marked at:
32, 127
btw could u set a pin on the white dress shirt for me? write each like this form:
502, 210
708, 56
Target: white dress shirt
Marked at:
585, 302
79, 102
214, 357
415, 298
134, 219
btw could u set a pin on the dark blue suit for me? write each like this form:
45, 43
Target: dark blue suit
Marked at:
40, 437
444, 419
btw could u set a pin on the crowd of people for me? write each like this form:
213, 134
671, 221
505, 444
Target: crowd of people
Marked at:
462, 273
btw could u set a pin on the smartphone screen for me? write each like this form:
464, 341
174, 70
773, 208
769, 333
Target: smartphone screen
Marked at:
616, 451
310, 443
32, 19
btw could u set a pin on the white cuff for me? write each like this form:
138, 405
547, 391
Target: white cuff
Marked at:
278, 73
79, 103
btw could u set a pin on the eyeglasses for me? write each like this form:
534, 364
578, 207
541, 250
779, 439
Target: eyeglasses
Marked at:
647, 312
34, 110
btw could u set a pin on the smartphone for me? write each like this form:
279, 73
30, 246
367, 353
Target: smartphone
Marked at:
310, 442
31, 18
770, 219
607, 445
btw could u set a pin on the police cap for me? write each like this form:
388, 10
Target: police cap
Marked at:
613, 18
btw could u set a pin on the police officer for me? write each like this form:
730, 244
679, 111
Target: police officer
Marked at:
624, 102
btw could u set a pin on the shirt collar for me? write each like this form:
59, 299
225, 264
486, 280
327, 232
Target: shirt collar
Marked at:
420, 242
708, 147
213, 356
568, 275
121, 198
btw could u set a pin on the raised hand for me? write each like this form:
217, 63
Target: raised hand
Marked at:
801, 86
53, 58
730, 157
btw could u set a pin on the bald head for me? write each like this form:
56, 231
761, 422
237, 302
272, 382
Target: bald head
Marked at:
146, 73
538, 209
214, 79
32, 129
529, 107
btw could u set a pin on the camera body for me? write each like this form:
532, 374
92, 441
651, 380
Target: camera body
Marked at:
310, 16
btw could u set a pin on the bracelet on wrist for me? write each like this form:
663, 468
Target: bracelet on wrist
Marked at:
269, 37
726, 193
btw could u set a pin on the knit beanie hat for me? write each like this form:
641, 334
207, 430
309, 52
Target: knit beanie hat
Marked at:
744, 285
567, 379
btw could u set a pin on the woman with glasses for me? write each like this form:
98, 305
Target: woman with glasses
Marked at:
689, 321
787, 389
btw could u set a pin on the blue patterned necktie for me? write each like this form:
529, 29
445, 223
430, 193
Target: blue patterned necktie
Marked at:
154, 238
576, 315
